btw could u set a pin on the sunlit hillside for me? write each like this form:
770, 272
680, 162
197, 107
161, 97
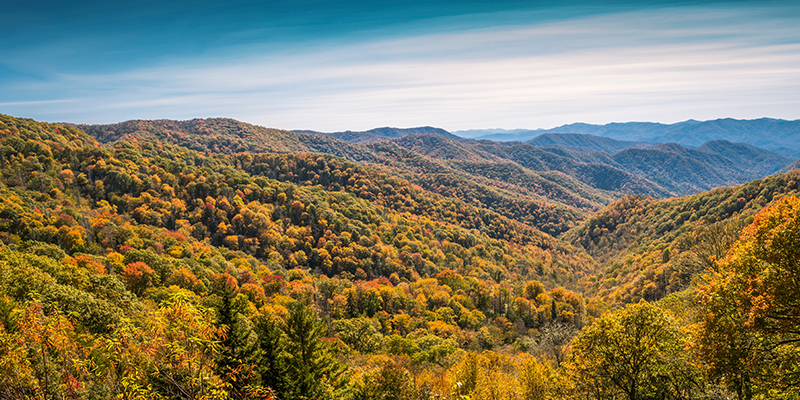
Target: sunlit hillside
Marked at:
214, 259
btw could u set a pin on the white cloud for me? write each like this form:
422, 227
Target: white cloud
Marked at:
664, 65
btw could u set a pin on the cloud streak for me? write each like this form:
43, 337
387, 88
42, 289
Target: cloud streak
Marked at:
661, 65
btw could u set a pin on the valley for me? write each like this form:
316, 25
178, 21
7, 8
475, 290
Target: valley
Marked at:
212, 258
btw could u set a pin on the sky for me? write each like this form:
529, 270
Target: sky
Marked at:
355, 65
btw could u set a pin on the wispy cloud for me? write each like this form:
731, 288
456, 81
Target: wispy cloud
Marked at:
35, 103
665, 65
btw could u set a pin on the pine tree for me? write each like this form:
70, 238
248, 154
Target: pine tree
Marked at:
236, 362
311, 367
271, 344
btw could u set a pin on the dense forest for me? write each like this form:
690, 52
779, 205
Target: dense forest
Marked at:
164, 266
552, 188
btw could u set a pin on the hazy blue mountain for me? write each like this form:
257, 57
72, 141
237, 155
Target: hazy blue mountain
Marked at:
583, 167
500, 135
787, 152
767, 133
791, 167
749, 158
660, 171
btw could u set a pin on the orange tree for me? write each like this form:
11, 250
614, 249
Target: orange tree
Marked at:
750, 327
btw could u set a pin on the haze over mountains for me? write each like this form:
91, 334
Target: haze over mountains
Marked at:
677, 169
777, 135
585, 142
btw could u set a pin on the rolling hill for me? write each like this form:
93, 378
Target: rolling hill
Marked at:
552, 188
548, 205
225, 136
659, 171
648, 248
714, 164
137, 265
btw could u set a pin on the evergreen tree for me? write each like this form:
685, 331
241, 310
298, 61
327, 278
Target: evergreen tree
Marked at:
311, 367
271, 344
237, 356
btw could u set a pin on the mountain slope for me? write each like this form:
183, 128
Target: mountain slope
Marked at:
584, 143
229, 136
747, 157
549, 188
225, 136
378, 134
602, 176
648, 248
164, 268
791, 167
766, 133
553, 204
715, 164
269, 206
445, 148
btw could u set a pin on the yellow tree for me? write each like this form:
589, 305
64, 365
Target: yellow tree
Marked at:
632, 354
750, 327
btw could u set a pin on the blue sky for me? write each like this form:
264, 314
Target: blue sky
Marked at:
347, 64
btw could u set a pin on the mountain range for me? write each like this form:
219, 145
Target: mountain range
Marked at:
580, 190
551, 181
417, 246
780, 136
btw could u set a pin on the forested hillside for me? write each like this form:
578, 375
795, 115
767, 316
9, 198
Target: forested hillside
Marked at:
127, 237
585, 143
225, 136
649, 248
141, 268
549, 188
379, 134
545, 203
687, 171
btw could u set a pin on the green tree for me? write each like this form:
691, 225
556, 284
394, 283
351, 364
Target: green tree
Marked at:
312, 370
270, 347
359, 333
633, 354
236, 361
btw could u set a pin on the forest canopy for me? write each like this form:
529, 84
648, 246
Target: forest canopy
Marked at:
142, 269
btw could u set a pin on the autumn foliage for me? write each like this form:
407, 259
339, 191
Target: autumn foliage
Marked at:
146, 270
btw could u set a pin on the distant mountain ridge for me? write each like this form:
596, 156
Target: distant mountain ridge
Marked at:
585, 142
767, 133
378, 134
